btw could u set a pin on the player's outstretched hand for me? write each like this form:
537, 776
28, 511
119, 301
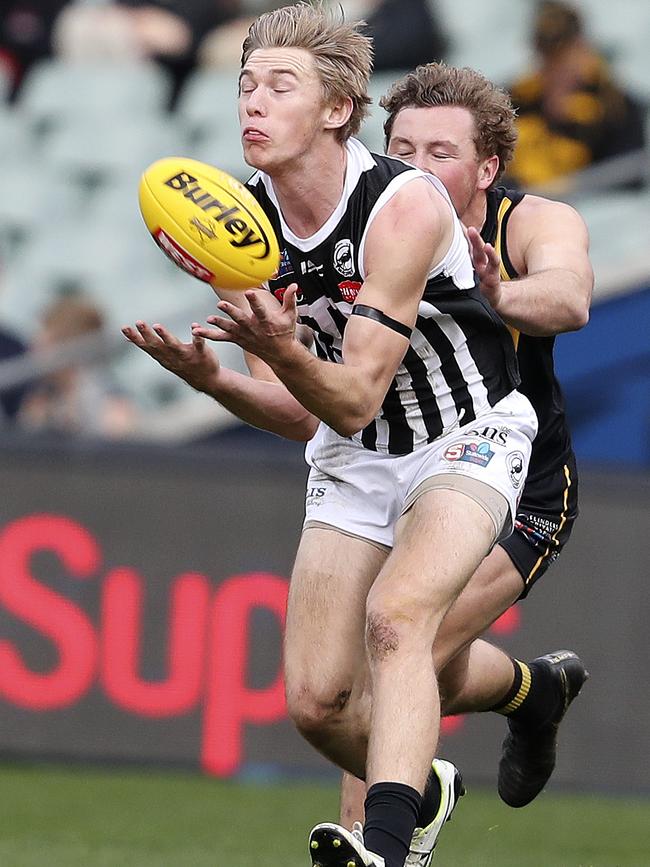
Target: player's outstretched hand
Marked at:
193, 362
487, 266
265, 330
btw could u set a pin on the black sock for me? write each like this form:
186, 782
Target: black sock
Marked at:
391, 815
430, 800
533, 697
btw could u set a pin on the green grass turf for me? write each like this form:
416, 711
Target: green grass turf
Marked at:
54, 817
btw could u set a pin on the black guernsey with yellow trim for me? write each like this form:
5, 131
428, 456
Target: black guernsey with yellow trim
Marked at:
552, 445
549, 502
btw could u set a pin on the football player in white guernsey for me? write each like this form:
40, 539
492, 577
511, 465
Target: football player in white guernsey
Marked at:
404, 500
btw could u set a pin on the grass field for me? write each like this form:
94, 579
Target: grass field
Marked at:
53, 817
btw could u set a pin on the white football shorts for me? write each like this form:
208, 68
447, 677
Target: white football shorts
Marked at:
364, 493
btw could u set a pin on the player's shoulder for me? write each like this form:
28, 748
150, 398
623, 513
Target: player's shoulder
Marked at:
538, 221
531, 209
418, 203
537, 217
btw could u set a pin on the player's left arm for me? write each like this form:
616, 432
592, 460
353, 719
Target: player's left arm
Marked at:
399, 252
548, 242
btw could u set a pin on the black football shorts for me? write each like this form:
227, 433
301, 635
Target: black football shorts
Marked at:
545, 517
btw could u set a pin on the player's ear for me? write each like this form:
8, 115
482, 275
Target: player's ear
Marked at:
487, 172
338, 114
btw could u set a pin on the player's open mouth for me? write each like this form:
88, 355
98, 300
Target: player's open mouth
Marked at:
250, 133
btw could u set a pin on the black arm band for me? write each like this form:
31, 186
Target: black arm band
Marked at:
378, 316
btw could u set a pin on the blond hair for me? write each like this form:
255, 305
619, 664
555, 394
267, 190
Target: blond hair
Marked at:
342, 54
436, 84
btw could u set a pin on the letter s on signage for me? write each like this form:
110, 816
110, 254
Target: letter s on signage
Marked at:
50, 614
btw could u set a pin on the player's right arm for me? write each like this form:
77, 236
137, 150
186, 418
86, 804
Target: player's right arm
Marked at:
548, 244
260, 399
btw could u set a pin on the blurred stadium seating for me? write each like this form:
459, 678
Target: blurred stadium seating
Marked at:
56, 91
73, 145
207, 113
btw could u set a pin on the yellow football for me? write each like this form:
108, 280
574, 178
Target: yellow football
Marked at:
208, 223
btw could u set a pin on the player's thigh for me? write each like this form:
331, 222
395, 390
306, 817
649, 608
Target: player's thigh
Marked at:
324, 638
493, 588
439, 543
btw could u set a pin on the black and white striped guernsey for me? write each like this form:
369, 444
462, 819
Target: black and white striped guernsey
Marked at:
461, 359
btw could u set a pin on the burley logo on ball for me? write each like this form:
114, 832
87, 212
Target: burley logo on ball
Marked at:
244, 228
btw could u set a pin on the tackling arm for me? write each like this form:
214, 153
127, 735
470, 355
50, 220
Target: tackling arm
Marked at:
549, 243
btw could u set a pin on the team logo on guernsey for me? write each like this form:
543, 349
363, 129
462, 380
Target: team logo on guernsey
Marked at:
343, 257
349, 290
279, 293
286, 267
515, 464
473, 453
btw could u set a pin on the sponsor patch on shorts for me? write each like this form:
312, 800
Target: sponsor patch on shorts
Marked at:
479, 454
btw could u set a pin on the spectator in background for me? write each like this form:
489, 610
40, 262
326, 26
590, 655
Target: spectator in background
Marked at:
77, 399
571, 112
11, 347
10, 399
405, 34
25, 35
167, 31
221, 47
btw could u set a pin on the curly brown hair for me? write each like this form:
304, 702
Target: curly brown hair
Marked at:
436, 84
343, 55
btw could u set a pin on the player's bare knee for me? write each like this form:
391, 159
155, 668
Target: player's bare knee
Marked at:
398, 623
382, 636
313, 711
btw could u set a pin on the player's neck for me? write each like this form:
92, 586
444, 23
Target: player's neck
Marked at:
476, 211
310, 190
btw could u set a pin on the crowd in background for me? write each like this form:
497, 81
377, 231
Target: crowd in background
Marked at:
181, 34
572, 113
